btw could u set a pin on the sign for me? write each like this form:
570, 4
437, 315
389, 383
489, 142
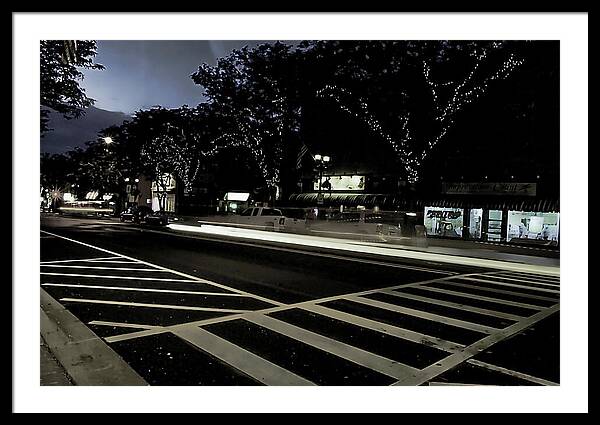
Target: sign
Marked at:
446, 222
518, 189
237, 196
167, 182
341, 183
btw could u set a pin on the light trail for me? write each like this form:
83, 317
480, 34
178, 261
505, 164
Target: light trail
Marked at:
361, 247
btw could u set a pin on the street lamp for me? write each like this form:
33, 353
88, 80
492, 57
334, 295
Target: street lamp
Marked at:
322, 161
108, 140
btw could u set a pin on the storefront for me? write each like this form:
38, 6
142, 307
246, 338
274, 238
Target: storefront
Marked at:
493, 222
523, 225
233, 202
445, 222
164, 192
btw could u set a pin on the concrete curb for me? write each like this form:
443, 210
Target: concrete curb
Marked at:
85, 357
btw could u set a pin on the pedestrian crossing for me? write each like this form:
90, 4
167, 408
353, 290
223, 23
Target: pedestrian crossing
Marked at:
407, 334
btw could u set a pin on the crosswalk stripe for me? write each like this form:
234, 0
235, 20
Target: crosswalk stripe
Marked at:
123, 325
354, 354
189, 277
510, 372
133, 335
104, 268
463, 307
455, 359
532, 276
115, 262
499, 291
116, 258
126, 288
424, 315
526, 280
512, 285
481, 297
395, 331
119, 277
249, 363
71, 261
164, 306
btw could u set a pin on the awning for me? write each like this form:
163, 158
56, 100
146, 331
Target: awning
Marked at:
350, 199
399, 202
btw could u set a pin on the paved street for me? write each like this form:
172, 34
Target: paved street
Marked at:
200, 311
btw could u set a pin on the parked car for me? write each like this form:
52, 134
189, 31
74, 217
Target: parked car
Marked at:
156, 218
136, 214
261, 217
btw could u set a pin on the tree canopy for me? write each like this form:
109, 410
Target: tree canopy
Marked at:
60, 74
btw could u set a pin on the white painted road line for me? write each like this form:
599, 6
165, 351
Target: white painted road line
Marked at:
424, 315
495, 282
133, 335
394, 331
555, 279
481, 297
123, 325
510, 372
104, 268
249, 363
115, 262
354, 354
455, 359
525, 280
69, 261
463, 307
118, 277
127, 288
499, 291
163, 306
302, 305
190, 277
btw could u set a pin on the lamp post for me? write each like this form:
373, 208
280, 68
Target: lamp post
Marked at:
322, 162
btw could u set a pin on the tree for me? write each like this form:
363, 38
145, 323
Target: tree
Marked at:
60, 64
407, 94
410, 94
253, 91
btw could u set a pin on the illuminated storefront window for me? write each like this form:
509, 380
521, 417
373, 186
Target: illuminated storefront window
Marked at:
341, 183
494, 230
475, 221
532, 225
447, 222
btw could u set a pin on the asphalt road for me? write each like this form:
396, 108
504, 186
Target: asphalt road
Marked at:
214, 311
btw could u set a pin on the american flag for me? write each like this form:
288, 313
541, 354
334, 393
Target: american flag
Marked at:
303, 151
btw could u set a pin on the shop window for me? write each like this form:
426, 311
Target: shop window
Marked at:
532, 225
494, 230
446, 222
475, 219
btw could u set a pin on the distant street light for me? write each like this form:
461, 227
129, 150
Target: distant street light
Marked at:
108, 140
321, 165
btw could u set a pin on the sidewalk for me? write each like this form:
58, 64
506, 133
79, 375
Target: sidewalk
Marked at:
51, 371
71, 354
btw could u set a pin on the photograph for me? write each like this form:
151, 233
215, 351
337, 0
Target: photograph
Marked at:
322, 211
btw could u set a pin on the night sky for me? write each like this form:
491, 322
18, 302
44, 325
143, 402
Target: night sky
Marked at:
142, 74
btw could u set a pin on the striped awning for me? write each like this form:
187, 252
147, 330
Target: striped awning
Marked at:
398, 201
